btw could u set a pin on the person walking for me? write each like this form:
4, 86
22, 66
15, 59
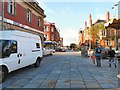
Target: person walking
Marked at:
93, 57
98, 55
111, 54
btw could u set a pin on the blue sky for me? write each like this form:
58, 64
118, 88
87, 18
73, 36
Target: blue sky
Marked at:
69, 17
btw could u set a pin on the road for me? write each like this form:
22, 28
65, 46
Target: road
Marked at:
64, 70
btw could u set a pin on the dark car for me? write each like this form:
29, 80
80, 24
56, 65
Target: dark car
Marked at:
105, 53
58, 49
61, 50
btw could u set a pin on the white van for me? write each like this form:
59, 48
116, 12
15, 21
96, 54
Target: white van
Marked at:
18, 49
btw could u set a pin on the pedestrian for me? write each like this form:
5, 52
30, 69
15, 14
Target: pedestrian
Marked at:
111, 55
93, 57
98, 54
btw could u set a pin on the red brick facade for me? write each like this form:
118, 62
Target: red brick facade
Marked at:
18, 19
20, 16
51, 33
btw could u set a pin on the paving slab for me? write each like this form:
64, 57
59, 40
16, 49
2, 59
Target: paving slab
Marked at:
65, 70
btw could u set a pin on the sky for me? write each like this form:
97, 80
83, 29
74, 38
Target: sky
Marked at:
70, 16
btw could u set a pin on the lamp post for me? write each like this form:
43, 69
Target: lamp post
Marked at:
118, 55
2, 14
114, 7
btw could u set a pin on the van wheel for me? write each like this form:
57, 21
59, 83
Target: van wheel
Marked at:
50, 54
3, 74
37, 63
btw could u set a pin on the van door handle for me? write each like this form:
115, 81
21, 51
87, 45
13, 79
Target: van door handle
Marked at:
19, 55
19, 61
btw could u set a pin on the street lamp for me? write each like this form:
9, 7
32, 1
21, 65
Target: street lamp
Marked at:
115, 38
114, 6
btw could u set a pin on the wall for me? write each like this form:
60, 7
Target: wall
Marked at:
20, 15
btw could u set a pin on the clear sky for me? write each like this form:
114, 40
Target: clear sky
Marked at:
69, 17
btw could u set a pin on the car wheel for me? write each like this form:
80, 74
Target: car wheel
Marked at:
37, 63
3, 74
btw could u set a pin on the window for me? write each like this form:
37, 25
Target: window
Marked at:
37, 45
108, 42
14, 47
11, 45
45, 29
110, 32
7, 47
39, 21
52, 29
29, 15
103, 33
45, 35
52, 37
11, 6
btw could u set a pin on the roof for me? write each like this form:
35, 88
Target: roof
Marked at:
99, 21
50, 42
114, 23
35, 5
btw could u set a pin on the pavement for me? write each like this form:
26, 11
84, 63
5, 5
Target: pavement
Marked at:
65, 70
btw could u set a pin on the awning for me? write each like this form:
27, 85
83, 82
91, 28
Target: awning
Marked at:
114, 23
50, 42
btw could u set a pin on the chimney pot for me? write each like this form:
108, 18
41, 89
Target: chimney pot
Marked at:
108, 16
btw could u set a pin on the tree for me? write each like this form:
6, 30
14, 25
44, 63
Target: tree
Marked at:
95, 33
113, 36
95, 30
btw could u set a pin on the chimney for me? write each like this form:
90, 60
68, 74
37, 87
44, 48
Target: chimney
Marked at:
85, 24
108, 16
90, 17
53, 23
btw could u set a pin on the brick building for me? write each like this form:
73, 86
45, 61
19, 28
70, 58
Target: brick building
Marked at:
113, 32
51, 34
104, 38
107, 36
24, 16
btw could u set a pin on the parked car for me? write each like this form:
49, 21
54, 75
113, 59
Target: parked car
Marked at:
118, 54
63, 49
47, 51
117, 51
105, 53
18, 49
58, 50
53, 50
